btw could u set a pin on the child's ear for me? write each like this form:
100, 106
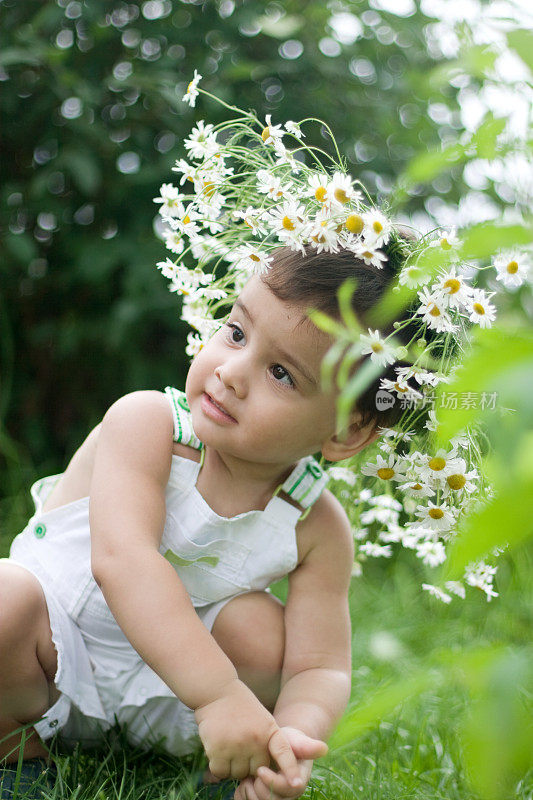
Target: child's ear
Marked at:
348, 443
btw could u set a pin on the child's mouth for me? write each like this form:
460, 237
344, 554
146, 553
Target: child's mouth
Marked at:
214, 411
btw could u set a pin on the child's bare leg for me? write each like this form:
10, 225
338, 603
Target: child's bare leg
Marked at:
250, 629
28, 660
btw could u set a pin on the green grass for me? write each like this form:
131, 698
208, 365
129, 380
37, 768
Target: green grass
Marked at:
413, 752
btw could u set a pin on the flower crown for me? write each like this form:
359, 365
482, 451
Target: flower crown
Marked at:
249, 187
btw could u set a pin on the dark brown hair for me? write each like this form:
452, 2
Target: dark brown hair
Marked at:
312, 280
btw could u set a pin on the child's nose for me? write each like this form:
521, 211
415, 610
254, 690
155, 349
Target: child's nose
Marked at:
233, 374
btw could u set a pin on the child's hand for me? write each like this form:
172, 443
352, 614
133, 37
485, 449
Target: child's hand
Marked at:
269, 785
239, 735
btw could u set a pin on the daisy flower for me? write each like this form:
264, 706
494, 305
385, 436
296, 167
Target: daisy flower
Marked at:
433, 311
375, 550
323, 232
343, 474
271, 132
481, 576
192, 91
436, 517
431, 553
436, 592
170, 199
186, 223
254, 218
294, 128
194, 344
446, 240
381, 351
318, 187
417, 489
480, 310
440, 465
403, 390
341, 189
252, 259
459, 480
413, 276
271, 185
188, 170
370, 256
512, 269
173, 241
452, 288
202, 141
392, 469
289, 222
377, 229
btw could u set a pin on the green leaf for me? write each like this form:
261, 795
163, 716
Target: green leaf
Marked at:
370, 711
427, 166
485, 138
18, 55
486, 239
495, 353
507, 520
521, 41
497, 734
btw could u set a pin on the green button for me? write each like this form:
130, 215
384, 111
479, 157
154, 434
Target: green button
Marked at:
315, 470
182, 401
40, 530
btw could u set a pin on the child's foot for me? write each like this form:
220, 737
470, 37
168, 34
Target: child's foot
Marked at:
36, 775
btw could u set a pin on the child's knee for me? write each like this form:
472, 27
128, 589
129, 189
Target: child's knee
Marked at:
251, 631
24, 622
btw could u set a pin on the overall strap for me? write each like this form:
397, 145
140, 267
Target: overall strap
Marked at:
306, 482
183, 430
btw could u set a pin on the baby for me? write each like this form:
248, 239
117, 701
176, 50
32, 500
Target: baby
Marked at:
138, 592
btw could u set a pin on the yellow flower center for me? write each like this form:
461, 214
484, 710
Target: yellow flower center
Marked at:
186, 219
444, 243
456, 481
279, 194
209, 189
435, 311
189, 87
385, 473
437, 463
377, 347
319, 239
416, 486
254, 257
341, 195
453, 285
367, 254
512, 267
478, 308
354, 223
436, 513
190, 179
287, 224
377, 227
266, 133
320, 194
400, 388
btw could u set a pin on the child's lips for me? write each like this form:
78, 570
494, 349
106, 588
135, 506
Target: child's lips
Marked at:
215, 410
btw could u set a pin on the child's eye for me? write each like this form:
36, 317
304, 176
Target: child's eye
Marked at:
234, 329
282, 373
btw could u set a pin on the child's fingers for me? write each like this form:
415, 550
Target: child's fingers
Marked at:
281, 751
276, 782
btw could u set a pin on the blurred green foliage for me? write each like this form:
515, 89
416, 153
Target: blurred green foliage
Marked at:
93, 121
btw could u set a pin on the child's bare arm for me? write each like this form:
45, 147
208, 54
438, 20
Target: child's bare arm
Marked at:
316, 674
148, 600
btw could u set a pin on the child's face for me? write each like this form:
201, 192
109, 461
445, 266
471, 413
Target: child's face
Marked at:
279, 413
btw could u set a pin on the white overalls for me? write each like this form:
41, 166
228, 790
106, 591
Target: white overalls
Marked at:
102, 679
